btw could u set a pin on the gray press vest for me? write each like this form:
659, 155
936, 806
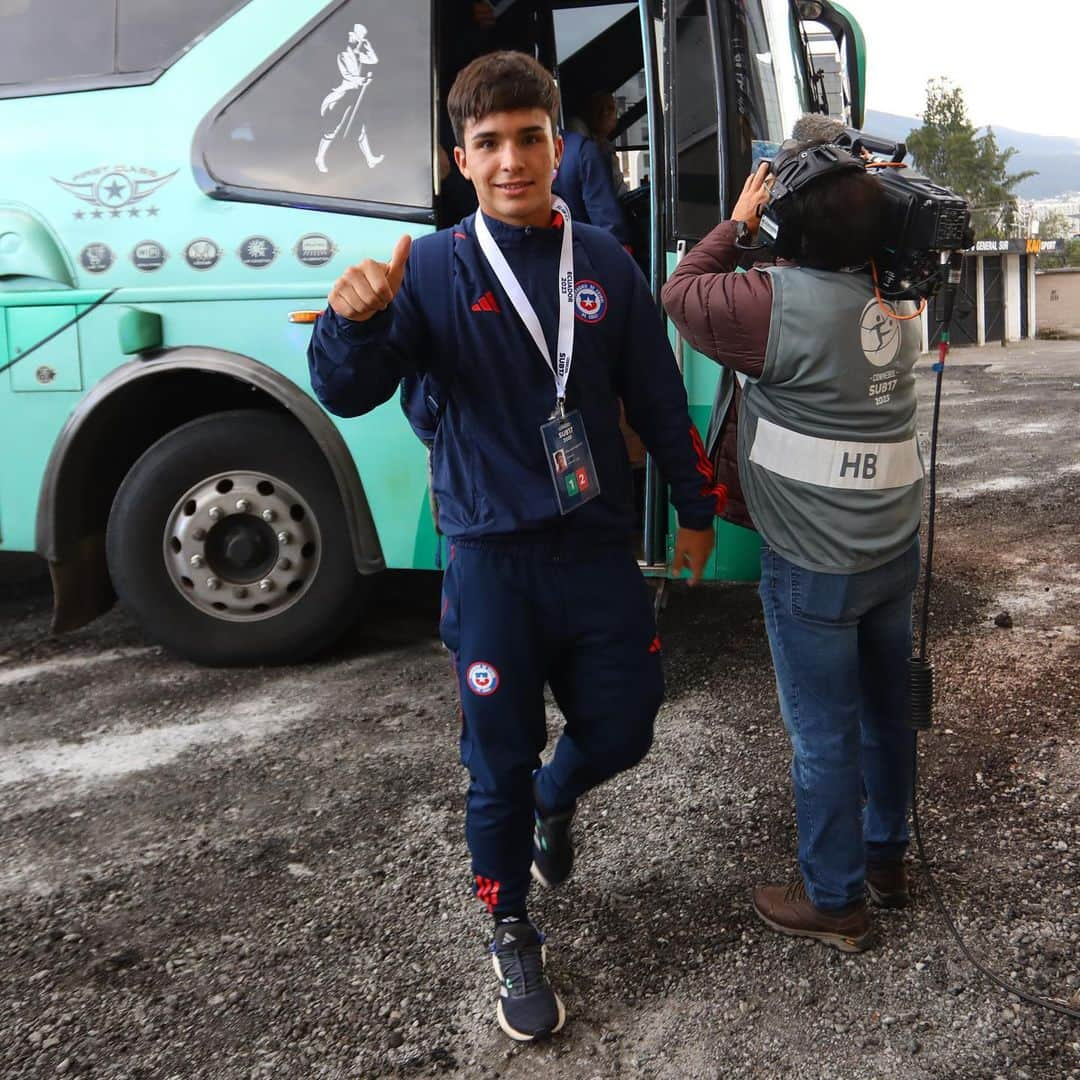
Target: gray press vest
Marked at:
829, 458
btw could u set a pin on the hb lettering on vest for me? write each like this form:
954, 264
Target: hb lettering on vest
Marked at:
868, 462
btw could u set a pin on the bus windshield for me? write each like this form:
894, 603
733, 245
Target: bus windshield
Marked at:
757, 98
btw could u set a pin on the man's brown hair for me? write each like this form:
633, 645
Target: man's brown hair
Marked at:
501, 82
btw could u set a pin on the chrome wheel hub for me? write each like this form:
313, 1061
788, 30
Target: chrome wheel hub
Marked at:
242, 546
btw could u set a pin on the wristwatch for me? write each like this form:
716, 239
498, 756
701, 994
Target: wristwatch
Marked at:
744, 238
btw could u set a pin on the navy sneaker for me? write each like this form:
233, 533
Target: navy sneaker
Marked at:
553, 848
528, 1007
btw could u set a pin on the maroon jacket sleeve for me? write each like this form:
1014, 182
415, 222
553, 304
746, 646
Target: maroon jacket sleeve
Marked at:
720, 312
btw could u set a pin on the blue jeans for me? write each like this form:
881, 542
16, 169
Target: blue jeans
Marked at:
840, 644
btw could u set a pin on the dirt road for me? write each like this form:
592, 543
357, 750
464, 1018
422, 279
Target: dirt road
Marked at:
246, 874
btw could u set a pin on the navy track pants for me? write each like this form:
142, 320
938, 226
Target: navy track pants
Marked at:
514, 618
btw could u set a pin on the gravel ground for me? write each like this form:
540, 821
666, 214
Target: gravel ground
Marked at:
247, 874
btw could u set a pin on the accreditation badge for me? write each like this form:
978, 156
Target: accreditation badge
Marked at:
570, 461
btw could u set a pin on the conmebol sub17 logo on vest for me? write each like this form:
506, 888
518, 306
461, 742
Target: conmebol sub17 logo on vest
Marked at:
879, 335
590, 303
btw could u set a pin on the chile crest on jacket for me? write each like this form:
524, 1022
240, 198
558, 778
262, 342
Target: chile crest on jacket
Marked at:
590, 301
482, 678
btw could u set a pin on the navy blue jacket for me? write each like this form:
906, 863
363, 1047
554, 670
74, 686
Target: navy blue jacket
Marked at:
584, 182
452, 335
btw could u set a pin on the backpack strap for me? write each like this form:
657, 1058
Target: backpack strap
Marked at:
423, 397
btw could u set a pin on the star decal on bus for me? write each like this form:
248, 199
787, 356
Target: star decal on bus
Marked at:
114, 189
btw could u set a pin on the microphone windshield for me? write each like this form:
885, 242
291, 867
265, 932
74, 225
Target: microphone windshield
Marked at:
815, 128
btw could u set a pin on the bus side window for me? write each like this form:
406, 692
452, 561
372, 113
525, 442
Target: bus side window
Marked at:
757, 98
31, 49
696, 192
45, 41
152, 33
344, 113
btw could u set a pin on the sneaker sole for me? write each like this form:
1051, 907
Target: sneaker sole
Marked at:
888, 900
521, 1036
837, 941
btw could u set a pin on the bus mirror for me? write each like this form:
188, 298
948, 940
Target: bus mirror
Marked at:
853, 51
837, 50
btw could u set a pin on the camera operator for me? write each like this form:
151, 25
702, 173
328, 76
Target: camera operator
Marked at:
813, 434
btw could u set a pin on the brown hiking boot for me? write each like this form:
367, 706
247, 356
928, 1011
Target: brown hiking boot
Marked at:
887, 884
788, 909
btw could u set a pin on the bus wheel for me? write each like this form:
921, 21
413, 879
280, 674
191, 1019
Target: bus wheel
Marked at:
228, 543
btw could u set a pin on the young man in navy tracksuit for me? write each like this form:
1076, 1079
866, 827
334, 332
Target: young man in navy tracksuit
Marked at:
533, 487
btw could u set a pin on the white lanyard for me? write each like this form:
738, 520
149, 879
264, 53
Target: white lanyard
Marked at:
501, 268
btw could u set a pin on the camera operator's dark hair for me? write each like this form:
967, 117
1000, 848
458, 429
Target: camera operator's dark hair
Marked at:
841, 218
501, 82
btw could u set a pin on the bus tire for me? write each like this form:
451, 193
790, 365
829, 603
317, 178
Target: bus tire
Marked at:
228, 543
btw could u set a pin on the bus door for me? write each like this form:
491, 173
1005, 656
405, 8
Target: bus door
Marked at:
724, 112
606, 58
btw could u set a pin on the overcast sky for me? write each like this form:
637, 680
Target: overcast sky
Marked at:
1018, 65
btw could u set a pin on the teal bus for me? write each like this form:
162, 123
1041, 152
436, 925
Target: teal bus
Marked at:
182, 185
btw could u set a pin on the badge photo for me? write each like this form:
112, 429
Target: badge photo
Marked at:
482, 678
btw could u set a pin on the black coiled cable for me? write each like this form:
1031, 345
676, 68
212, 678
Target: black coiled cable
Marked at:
921, 687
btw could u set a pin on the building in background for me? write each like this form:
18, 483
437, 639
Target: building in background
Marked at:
1058, 302
1030, 211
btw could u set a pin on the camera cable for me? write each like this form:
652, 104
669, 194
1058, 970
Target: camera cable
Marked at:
921, 672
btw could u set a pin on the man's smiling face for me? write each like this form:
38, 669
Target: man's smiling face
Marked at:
511, 157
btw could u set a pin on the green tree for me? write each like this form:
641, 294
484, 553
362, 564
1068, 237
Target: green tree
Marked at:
949, 151
1056, 226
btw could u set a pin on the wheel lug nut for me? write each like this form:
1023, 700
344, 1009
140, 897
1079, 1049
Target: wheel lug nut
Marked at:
268, 515
243, 505
196, 561
214, 513
199, 534
285, 564
266, 584
213, 583
284, 537
240, 593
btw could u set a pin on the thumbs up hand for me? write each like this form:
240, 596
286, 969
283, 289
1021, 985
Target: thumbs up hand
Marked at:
369, 287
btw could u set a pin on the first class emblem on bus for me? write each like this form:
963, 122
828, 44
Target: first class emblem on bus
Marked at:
114, 190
